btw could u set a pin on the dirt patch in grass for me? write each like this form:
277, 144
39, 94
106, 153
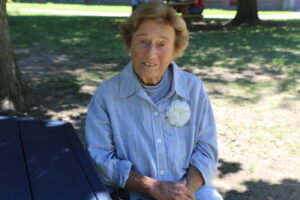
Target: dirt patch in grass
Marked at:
258, 125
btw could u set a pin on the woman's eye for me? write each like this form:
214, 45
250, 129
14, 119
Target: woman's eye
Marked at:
161, 44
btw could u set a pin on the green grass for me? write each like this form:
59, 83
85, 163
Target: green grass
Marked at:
72, 7
81, 36
91, 76
274, 50
15, 8
63, 82
293, 148
275, 12
211, 11
252, 169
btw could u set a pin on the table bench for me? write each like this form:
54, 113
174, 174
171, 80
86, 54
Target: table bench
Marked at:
183, 8
44, 160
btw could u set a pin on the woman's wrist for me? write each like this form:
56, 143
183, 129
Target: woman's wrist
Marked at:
149, 185
139, 183
194, 179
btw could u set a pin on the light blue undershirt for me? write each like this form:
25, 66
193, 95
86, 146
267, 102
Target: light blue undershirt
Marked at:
161, 90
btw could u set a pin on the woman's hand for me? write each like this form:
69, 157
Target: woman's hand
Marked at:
160, 190
166, 190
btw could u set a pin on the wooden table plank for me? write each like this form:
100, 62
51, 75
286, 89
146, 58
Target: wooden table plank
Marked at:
53, 166
14, 184
85, 160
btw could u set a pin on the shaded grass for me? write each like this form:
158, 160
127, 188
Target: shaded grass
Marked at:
81, 36
75, 82
277, 45
273, 50
63, 82
263, 190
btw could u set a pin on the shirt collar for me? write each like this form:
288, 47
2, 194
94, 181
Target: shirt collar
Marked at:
179, 84
129, 83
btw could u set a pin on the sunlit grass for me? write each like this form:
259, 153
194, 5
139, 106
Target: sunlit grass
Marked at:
16, 8
72, 7
293, 148
91, 76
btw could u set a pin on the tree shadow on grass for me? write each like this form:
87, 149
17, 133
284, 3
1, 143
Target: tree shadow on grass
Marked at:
50, 48
57, 85
96, 38
287, 189
226, 168
270, 50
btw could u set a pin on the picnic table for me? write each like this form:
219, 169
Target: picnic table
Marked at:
44, 160
183, 8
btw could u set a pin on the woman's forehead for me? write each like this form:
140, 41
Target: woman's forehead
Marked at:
150, 27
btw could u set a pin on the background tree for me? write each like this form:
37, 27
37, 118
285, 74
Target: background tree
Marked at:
12, 88
246, 13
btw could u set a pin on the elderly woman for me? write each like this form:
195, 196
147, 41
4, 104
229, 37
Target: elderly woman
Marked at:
151, 129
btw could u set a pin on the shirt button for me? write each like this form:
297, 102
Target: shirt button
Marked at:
155, 113
158, 140
162, 172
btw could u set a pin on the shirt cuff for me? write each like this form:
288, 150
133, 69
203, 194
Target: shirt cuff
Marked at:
121, 172
205, 166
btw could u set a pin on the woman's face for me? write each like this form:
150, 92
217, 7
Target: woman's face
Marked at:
152, 50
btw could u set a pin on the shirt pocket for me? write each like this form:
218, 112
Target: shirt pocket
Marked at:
181, 143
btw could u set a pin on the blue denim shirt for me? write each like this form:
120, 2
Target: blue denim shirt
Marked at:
125, 129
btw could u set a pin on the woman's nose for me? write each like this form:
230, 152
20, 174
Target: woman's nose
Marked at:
151, 50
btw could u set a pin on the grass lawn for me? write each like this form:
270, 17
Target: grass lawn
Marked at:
251, 74
17, 8
74, 7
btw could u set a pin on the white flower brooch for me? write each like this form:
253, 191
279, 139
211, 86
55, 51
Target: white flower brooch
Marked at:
179, 113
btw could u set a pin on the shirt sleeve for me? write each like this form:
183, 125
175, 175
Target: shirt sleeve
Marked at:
205, 155
99, 137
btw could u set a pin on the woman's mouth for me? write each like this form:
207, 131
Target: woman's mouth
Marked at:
147, 64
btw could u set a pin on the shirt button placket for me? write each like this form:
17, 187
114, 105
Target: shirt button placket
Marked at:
159, 146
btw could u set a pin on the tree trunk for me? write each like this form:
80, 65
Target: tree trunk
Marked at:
246, 13
12, 88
